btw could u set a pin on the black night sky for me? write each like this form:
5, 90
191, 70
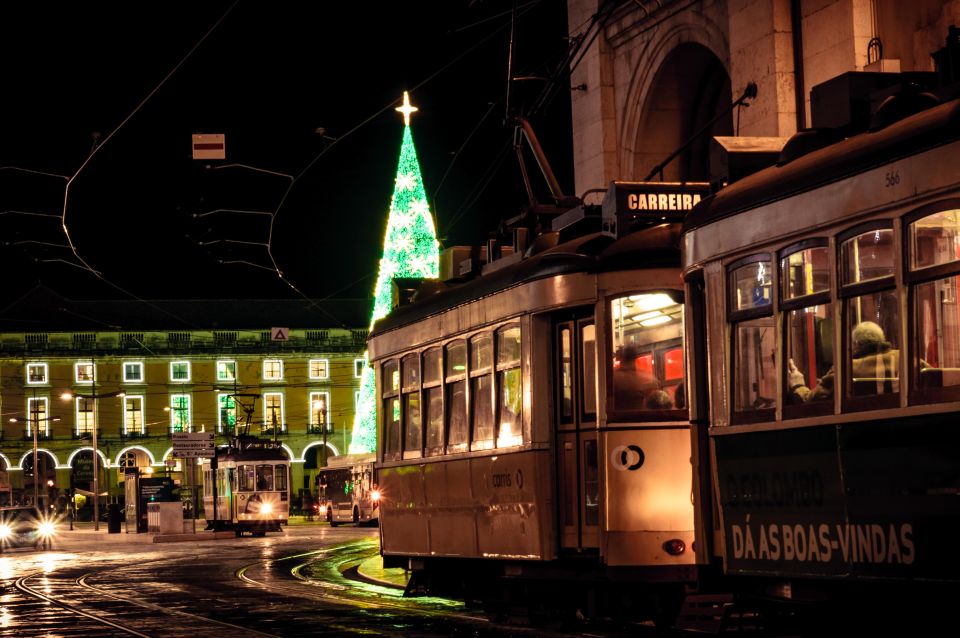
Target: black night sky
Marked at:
268, 76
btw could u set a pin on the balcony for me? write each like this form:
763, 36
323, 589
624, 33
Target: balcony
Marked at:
274, 430
320, 429
41, 436
134, 434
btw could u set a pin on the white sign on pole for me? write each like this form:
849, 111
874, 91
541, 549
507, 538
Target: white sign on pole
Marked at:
209, 146
193, 445
280, 334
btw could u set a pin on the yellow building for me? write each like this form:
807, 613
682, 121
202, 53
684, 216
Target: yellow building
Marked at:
287, 370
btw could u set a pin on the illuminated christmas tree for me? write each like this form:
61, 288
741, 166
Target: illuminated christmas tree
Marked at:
410, 249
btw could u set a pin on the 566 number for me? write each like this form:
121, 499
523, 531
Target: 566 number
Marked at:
891, 178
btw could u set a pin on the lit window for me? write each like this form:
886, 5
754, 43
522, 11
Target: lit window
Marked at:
37, 416
273, 412
227, 413
86, 415
36, 373
358, 366
272, 370
179, 412
319, 410
84, 372
226, 371
180, 371
133, 414
319, 369
133, 372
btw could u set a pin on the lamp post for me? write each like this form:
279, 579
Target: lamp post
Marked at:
66, 396
34, 422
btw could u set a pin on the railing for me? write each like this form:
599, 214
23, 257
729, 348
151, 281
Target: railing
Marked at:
274, 430
320, 429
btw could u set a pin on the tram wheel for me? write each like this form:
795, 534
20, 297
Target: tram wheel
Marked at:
238, 532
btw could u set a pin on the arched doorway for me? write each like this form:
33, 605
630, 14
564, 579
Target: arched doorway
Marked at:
41, 484
81, 480
690, 88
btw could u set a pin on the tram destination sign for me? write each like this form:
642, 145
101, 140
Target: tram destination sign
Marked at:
193, 445
633, 202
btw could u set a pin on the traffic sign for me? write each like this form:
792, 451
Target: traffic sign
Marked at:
193, 445
280, 334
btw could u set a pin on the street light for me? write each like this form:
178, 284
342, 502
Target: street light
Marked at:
34, 422
66, 396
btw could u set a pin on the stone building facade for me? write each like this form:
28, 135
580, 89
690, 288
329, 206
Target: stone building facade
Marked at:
656, 71
278, 369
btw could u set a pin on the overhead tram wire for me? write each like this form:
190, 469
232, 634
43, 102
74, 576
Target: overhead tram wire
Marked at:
96, 149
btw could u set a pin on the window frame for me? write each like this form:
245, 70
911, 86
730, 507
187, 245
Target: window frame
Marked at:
271, 426
319, 377
174, 410
734, 318
912, 279
139, 364
476, 372
220, 425
500, 370
224, 363
358, 365
123, 406
406, 391
42, 416
77, 412
846, 292
46, 372
449, 381
389, 393
272, 379
184, 362
425, 387
76, 372
314, 395
801, 302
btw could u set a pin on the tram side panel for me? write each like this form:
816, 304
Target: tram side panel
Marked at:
648, 497
481, 507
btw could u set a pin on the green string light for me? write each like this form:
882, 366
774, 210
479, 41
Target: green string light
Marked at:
410, 249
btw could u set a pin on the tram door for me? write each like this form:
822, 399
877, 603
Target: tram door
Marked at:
578, 474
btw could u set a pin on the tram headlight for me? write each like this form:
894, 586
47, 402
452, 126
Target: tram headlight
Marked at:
47, 529
266, 508
323, 509
375, 496
5, 531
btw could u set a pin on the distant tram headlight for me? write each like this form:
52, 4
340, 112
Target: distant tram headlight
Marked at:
47, 529
266, 508
5, 531
323, 509
375, 496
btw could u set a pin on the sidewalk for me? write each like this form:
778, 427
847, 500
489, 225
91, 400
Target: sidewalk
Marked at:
373, 571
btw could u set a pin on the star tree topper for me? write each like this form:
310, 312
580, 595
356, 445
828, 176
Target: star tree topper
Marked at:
406, 109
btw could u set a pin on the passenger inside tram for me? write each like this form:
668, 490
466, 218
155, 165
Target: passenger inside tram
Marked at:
874, 360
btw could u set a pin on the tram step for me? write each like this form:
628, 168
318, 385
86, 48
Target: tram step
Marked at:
717, 614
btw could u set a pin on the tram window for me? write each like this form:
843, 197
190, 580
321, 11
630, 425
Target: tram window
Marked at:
509, 387
867, 256
391, 409
647, 356
591, 483
280, 478
805, 272
431, 366
754, 365
588, 363
749, 286
433, 400
246, 478
410, 370
264, 478
809, 348
934, 240
937, 358
481, 391
566, 375
873, 350
458, 429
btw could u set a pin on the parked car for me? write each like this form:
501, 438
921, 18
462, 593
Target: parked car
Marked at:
25, 527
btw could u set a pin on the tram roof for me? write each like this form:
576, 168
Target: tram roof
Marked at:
925, 130
596, 252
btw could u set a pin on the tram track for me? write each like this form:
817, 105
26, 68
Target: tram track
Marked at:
123, 614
